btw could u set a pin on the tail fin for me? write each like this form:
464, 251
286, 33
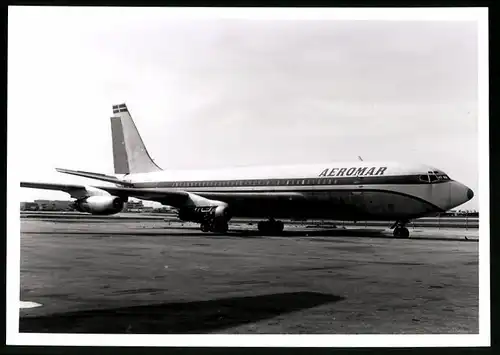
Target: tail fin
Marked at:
130, 155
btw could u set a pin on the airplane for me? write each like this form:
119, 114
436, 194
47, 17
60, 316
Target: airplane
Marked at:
356, 191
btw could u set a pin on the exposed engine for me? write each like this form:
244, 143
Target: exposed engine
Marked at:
207, 213
99, 205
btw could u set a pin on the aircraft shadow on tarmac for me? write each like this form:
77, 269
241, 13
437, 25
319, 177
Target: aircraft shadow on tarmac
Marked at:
177, 318
240, 233
316, 232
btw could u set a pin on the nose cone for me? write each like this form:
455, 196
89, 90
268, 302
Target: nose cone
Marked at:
470, 194
459, 194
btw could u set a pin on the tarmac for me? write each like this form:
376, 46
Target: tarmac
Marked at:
153, 276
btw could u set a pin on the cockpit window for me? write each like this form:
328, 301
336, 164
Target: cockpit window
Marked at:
434, 177
424, 178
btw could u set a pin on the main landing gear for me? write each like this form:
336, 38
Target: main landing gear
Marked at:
271, 226
400, 231
214, 226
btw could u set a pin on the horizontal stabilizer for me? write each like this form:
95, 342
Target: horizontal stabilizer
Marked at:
95, 176
75, 191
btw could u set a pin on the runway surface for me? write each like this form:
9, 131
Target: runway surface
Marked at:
84, 276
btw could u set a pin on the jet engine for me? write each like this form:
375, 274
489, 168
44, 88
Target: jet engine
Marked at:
206, 213
99, 205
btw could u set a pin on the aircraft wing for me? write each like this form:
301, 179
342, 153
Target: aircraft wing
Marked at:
175, 198
170, 197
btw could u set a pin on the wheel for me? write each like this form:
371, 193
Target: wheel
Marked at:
278, 227
262, 226
274, 227
404, 232
401, 232
221, 227
204, 227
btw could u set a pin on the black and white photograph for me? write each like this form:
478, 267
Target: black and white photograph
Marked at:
178, 176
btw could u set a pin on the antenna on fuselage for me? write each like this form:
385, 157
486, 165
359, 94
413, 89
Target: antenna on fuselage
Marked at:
359, 157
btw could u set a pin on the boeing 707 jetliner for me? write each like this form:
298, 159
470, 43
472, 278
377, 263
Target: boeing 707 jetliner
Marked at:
359, 190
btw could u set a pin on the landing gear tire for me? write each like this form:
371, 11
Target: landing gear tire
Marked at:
205, 227
279, 226
271, 227
221, 227
262, 226
401, 232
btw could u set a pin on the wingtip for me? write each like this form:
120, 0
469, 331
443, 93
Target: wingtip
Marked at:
120, 108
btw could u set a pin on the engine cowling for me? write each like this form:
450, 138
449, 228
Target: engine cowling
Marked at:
201, 214
100, 205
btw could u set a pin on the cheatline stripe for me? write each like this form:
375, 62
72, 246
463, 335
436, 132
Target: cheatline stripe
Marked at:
302, 182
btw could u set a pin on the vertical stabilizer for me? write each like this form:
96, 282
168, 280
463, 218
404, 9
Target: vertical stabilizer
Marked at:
130, 155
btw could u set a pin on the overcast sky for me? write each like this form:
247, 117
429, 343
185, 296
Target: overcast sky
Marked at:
209, 93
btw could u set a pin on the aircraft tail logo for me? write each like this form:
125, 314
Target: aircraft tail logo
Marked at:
130, 155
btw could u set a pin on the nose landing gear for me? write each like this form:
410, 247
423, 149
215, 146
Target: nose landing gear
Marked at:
400, 230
